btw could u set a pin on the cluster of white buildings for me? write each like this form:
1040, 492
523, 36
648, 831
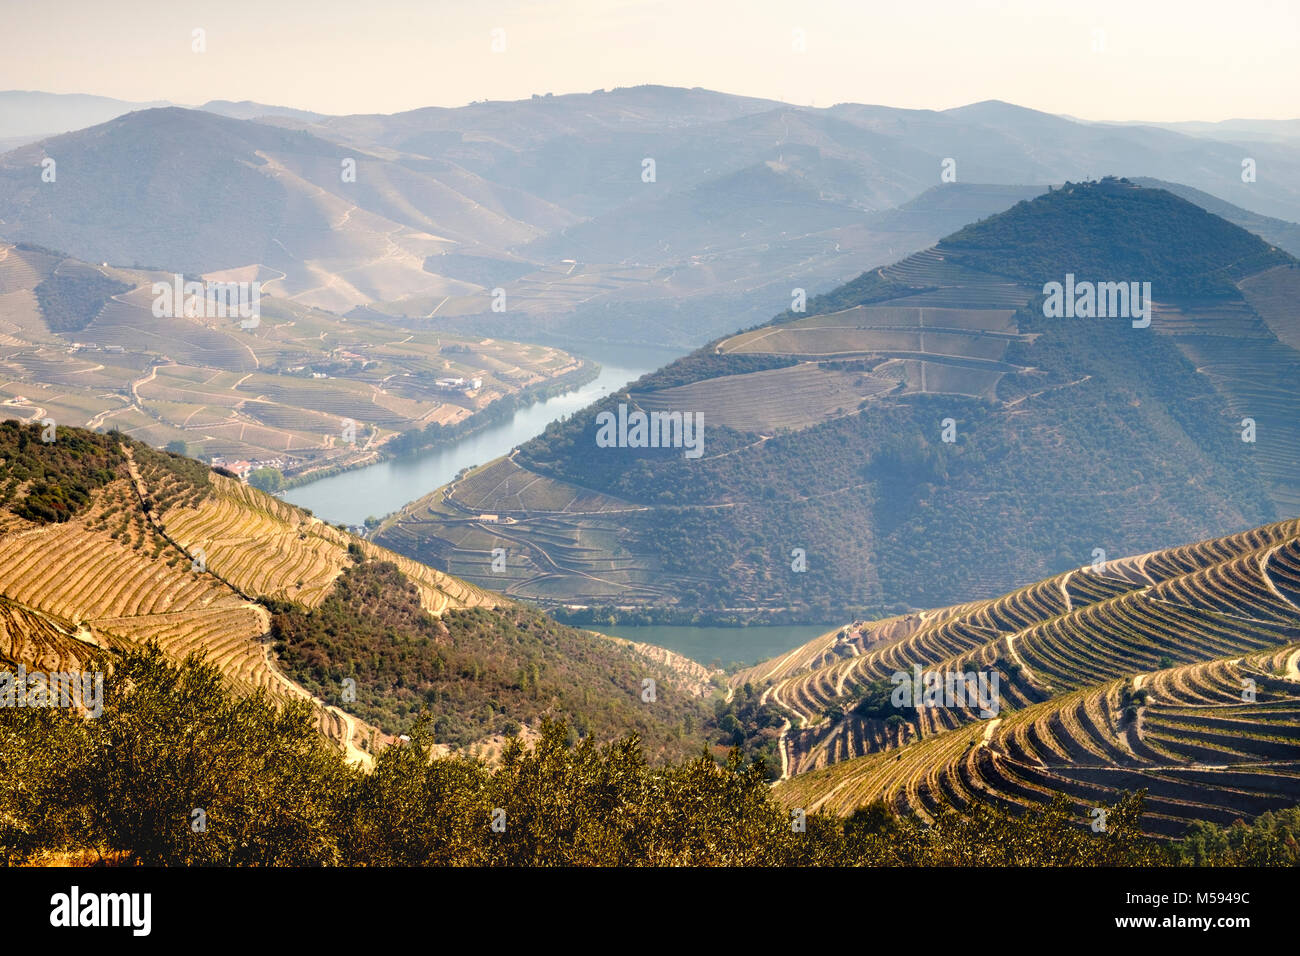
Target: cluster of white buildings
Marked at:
244, 468
459, 384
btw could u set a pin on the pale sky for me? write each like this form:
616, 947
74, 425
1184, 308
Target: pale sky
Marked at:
1159, 60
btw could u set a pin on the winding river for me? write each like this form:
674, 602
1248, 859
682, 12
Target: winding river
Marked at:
351, 496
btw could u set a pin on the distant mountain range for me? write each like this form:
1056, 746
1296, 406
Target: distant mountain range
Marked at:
27, 116
551, 199
1233, 130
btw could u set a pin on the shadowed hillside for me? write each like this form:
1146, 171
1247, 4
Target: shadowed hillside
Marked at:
924, 434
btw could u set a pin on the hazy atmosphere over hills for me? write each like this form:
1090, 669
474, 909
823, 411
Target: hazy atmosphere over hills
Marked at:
618, 434
546, 199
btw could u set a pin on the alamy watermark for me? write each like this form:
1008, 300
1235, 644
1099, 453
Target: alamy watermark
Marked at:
81, 689
654, 430
128, 910
210, 300
921, 689
1098, 300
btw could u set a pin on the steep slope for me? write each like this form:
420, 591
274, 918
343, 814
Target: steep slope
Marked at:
105, 542
925, 434
1199, 751
1172, 672
1281, 233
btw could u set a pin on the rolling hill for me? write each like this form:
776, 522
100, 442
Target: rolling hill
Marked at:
826, 481
30, 115
197, 192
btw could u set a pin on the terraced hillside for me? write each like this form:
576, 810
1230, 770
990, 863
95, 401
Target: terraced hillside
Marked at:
560, 540
81, 344
105, 542
1174, 672
917, 349
925, 434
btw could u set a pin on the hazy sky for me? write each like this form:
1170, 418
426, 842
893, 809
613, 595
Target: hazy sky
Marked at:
1157, 59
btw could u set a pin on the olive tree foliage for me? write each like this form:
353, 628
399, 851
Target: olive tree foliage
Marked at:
178, 770
175, 771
